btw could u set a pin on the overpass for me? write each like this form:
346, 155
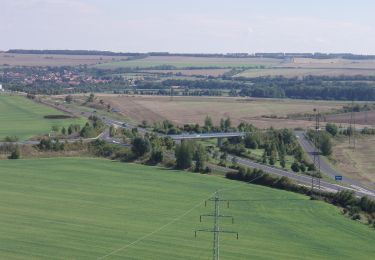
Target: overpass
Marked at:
195, 136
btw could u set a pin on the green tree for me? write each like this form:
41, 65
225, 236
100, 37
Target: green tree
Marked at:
55, 128
273, 154
332, 129
112, 131
295, 167
156, 155
208, 123
69, 99
200, 158
234, 161
222, 124
264, 157
272, 159
91, 98
63, 131
140, 146
250, 141
184, 155
227, 124
16, 154
70, 130
282, 161
325, 145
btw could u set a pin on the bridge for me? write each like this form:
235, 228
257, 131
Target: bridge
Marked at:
219, 136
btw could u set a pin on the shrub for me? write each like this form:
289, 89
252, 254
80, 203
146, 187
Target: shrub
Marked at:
16, 154
11, 139
295, 167
140, 146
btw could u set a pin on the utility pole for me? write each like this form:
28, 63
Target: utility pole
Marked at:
171, 93
316, 153
216, 216
216, 227
352, 127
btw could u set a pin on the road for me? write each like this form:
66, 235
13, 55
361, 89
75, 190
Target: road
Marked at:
302, 179
206, 135
325, 167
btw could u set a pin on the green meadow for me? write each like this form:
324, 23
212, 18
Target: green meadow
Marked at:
71, 208
24, 118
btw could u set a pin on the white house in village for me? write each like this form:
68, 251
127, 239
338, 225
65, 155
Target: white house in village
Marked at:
1, 88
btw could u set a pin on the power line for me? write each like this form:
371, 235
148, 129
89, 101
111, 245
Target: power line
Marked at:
173, 220
316, 155
216, 228
352, 127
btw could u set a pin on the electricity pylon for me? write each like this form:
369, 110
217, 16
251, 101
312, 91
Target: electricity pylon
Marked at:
216, 227
316, 152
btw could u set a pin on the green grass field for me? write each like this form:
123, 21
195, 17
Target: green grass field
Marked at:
23, 118
90, 208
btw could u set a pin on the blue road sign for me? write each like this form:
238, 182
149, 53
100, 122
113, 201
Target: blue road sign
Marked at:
338, 178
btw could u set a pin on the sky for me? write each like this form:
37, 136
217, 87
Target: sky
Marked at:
190, 26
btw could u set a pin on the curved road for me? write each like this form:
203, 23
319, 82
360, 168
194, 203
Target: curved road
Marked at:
325, 167
303, 179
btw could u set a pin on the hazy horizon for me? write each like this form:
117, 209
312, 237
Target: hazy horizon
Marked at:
189, 27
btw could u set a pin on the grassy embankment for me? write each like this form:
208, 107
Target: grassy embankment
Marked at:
87, 208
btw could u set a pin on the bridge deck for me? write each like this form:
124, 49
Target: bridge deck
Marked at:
206, 135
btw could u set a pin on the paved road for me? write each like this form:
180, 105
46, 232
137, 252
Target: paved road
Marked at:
303, 179
300, 178
325, 167
206, 135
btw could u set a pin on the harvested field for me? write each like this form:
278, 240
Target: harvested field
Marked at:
195, 72
358, 164
183, 110
10, 59
301, 72
330, 63
199, 62
361, 118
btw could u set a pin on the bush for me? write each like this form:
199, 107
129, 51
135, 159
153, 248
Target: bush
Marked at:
332, 129
207, 170
47, 144
16, 154
140, 146
184, 155
156, 156
345, 198
11, 139
295, 167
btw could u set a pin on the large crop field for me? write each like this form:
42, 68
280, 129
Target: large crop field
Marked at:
182, 62
24, 118
11, 59
303, 72
99, 209
184, 110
